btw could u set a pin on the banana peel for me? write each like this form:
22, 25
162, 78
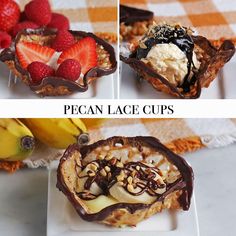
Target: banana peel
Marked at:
57, 132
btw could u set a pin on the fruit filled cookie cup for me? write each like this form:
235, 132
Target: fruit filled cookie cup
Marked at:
175, 61
124, 180
54, 63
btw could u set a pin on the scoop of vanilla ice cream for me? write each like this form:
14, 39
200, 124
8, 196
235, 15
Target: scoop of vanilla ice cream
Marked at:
170, 62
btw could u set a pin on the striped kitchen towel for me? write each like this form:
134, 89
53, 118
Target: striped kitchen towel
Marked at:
180, 135
213, 19
86, 15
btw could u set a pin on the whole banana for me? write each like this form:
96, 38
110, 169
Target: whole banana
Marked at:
57, 132
16, 140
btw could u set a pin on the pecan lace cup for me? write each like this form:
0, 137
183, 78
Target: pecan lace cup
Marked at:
54, 86
133, 21
122, 181
174, 61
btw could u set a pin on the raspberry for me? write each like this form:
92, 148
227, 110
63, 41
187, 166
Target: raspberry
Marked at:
59, 22
9, 14
69, 69
39, 11
84, 51
63, 40
23, 25
5, 40
39, 71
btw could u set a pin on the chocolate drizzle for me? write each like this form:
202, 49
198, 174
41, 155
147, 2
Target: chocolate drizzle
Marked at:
185, 183
176, 35
143, 175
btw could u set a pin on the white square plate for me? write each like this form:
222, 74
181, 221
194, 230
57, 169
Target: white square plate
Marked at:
62, 220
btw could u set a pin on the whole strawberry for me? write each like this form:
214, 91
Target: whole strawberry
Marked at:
39, 71
5, 40
23, 25
9, 14
69, 69
39, 11
63, 40
59, 22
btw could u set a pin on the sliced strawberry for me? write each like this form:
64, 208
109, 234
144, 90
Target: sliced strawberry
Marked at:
84, 52
30, 52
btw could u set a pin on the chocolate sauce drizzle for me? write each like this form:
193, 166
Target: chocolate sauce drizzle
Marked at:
138, 170
172, 34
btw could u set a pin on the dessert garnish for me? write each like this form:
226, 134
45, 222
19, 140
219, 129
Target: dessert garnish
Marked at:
175, 61
9, 15
94, 56
121, 181
5, 40
39, 11
59, 22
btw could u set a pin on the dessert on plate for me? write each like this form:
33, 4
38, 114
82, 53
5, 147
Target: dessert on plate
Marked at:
54, 63
175, 61
124, 180
134, 21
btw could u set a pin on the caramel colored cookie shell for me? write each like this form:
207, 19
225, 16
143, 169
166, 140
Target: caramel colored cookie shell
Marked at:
56, 86
122, 214
212, 60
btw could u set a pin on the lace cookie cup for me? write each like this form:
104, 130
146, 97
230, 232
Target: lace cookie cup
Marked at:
177, 174
134, 21
212, 60
56, 86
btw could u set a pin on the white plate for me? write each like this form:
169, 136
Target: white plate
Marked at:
103, 88
62, 220
131, 88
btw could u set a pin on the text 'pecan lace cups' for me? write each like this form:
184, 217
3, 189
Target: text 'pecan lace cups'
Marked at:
124, 180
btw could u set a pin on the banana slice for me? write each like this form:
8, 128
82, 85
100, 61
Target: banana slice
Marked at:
120, 193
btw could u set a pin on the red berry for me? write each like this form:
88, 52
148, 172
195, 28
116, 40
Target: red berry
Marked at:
59, 22
69, 69
63, 40
23, 25
5, 40
39, 11
83, 51
29, 52
9, 14
39, 71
